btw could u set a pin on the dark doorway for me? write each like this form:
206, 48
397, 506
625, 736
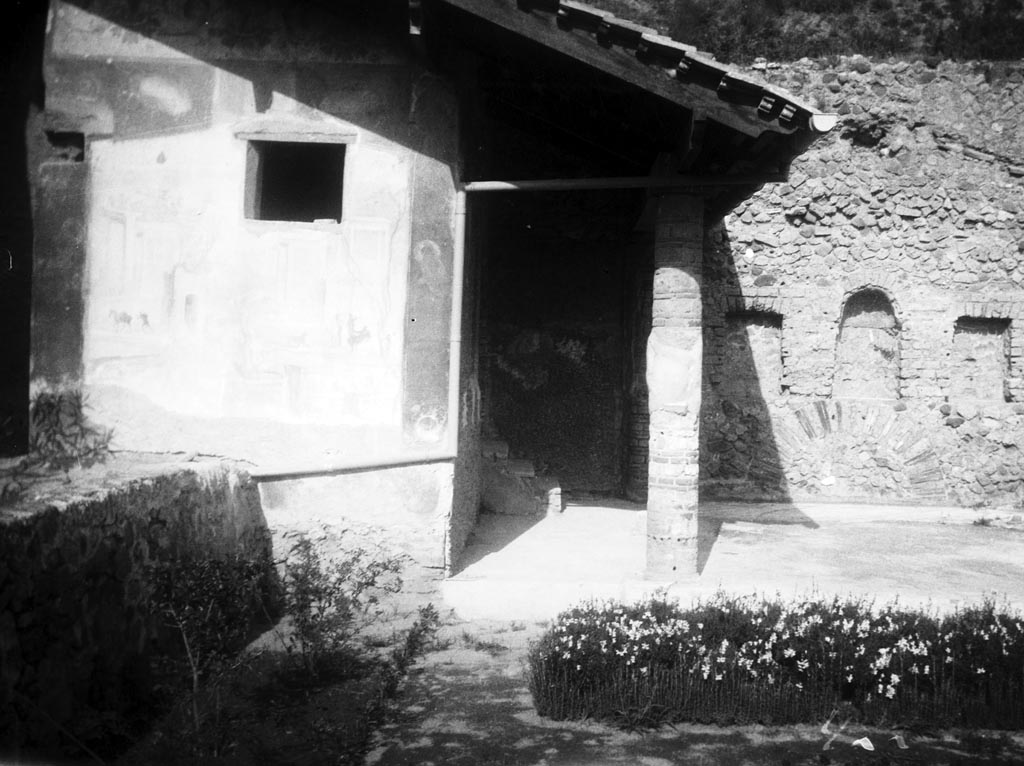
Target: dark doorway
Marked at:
21, 57
555, 308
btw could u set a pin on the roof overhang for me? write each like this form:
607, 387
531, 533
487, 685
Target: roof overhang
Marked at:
768, 127
657, 64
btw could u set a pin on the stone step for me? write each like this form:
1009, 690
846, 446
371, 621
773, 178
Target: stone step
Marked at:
510, 487
549, 490
520, 467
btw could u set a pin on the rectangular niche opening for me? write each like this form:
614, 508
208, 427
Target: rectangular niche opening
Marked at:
752, 355
980, 360
294, 181
66, 145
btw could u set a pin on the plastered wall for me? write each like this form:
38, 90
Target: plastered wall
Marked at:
200, 328
195, 327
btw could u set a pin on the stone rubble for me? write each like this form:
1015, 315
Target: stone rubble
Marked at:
916, 195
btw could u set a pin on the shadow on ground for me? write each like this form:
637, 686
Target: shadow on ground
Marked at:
469, 705
493, 532
713, 515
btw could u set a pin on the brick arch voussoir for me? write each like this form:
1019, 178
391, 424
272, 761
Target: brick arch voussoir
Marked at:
896, 432
881, 281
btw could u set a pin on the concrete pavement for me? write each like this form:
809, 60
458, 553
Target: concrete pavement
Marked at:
520, 568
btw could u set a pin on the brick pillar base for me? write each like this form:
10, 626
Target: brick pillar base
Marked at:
674, 359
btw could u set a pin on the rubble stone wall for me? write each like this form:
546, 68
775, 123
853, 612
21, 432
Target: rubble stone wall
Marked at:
893, 257
76, 628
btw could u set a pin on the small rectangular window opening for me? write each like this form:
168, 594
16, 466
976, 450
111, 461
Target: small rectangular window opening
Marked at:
66, 145
294, 181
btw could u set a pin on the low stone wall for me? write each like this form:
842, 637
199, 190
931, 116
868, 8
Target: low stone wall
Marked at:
76, 629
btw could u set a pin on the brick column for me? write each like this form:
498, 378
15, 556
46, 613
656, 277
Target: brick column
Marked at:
674, 357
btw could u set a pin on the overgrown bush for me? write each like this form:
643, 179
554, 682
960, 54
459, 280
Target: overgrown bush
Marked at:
61, 435
328, 603
210, 607
315, 689
752, 659
61, 438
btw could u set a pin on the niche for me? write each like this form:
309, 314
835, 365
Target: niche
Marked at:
979, 363
752, 355
868, 348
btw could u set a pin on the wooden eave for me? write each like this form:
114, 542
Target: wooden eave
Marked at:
657, 64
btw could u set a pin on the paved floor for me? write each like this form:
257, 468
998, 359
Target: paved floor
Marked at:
467, 704
519, 568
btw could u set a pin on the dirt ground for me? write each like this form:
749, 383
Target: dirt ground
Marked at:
467, 704
467, 701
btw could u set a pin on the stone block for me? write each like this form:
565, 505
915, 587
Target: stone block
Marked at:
494, 448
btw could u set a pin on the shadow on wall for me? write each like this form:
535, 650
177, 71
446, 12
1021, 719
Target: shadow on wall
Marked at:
302, 69
83, 637
21, 81
739, 453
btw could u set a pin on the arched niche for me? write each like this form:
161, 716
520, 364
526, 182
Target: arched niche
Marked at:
868, 348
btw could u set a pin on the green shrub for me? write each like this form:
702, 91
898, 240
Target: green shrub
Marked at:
61, 438
210, 607
61, 435
751, 659
327, 604
312, 694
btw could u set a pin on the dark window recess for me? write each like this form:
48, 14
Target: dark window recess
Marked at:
288, 181
752, 355
66, 145
980, 359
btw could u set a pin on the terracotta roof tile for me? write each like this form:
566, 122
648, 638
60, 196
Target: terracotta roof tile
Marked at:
738, 89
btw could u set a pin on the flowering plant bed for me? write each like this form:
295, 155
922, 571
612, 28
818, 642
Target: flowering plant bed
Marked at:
754, 659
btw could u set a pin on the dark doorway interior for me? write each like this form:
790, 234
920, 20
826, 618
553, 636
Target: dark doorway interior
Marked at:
21, 81
555, 309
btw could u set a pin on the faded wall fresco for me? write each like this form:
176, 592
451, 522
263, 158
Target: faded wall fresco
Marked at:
279, 342
211, 315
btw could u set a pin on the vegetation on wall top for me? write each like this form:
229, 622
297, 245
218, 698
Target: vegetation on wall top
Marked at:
784, 30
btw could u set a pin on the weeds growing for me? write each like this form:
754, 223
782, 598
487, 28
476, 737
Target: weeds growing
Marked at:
314, 699
61, 437
328, 603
